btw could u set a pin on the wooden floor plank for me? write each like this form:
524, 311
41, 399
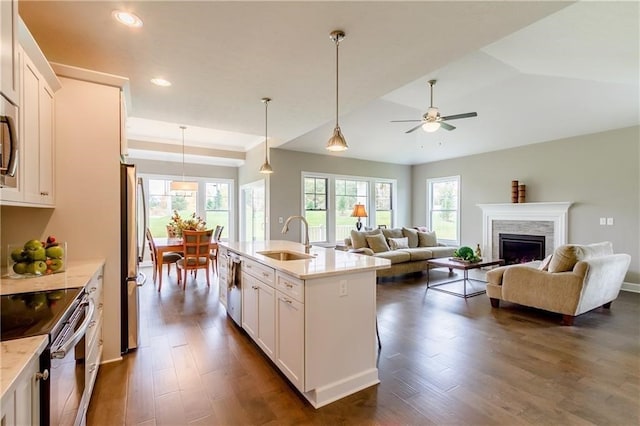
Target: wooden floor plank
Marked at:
444, 360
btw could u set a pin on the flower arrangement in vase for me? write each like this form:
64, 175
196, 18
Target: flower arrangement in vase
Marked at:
178, 224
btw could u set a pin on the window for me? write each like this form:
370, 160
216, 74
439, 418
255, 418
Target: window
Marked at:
253, 211
349, 193
384, 204
211, 199
315, 207
443, 208
329, 200
217, 206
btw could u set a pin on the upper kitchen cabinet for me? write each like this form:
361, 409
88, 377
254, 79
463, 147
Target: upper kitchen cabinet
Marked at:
9, 68
36, 159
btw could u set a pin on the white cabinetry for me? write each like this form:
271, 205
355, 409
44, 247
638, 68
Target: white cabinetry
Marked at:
290, 328
258, 305
9, 76
21, 404
37, 135
36, 151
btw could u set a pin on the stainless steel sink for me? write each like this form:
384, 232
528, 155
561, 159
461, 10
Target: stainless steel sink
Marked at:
284, 255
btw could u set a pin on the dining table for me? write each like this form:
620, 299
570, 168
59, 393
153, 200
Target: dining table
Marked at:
166, 245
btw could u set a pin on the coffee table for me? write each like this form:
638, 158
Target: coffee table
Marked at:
462, 266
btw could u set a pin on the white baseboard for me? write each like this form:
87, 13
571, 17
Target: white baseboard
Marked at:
632, 287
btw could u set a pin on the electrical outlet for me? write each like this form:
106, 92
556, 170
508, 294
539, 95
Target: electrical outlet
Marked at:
610, 221
603, 221
343, 288
281, 220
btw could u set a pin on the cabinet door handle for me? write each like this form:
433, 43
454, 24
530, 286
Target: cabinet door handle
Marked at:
286, 299
264, 274
93, 368
42, 376
255, 287
93, 289
289, 285
92, 324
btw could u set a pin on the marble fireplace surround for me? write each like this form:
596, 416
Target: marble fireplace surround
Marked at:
530, 216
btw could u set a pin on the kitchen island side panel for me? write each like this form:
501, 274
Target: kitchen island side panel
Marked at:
340, 336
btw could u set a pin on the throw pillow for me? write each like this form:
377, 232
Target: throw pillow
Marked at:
359, 240
595, 250
412, 235
427, 239
392, 233
378, 243
564, 258
544, 266
398, 243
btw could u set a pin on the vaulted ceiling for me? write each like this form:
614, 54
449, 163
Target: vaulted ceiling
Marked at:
533, 71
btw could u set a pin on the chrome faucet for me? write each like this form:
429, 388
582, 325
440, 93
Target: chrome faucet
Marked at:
285, 229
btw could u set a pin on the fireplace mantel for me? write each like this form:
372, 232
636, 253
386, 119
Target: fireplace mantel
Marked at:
556, 212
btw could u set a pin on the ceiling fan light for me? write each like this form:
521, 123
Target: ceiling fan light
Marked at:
431, 126
337, 143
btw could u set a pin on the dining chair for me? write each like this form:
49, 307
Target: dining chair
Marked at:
213, 254
167, 259
196, 247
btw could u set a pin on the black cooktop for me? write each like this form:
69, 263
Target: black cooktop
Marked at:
32, 314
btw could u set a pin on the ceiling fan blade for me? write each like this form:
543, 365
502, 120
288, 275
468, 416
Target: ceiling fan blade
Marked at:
457, 116
404, 121
414, 128
446, 126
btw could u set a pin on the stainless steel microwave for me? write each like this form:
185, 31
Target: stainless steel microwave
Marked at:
8, 144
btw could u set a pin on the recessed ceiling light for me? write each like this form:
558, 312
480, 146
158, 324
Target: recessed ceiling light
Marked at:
161, 82
127, 18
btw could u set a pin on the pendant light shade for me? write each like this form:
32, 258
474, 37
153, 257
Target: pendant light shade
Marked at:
266, 167
182, 185
337, 142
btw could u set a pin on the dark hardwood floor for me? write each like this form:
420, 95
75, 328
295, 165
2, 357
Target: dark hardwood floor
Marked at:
444, 360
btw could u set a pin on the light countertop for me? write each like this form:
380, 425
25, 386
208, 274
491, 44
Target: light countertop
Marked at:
16, 355
77, 274
325, 262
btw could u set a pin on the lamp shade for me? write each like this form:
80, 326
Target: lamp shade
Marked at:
359, 211
337, 142
184, 186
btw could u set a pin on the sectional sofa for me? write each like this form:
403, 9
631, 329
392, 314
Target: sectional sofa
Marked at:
408, 249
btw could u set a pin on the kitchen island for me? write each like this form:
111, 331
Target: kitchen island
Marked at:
313, 315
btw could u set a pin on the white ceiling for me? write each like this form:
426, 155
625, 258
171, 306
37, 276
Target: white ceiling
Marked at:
534, 71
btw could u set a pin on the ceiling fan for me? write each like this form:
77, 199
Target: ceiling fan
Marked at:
432, 121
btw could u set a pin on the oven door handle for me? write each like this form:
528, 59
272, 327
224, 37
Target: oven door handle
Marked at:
61, 352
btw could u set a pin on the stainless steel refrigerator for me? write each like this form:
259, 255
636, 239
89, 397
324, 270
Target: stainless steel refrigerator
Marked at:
132, 227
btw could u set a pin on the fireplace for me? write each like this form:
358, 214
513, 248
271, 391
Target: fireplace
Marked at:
520, 248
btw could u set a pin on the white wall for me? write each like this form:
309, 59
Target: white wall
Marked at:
599, 173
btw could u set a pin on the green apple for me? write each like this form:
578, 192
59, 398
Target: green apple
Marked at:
20, 268
55, 295
36, 268
54, 252
17, 255
55, 264
37, 254
32, 245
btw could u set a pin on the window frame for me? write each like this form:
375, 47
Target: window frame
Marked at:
202, 196
430, 182
331, 200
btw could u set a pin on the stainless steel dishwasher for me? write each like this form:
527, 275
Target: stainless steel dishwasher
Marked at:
234, 288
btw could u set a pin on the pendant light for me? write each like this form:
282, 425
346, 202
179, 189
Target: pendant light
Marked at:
337, 142
182, 185
266, 167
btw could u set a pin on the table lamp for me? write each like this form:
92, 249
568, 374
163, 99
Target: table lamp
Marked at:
359, 211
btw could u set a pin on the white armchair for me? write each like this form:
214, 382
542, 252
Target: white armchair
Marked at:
576, 279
